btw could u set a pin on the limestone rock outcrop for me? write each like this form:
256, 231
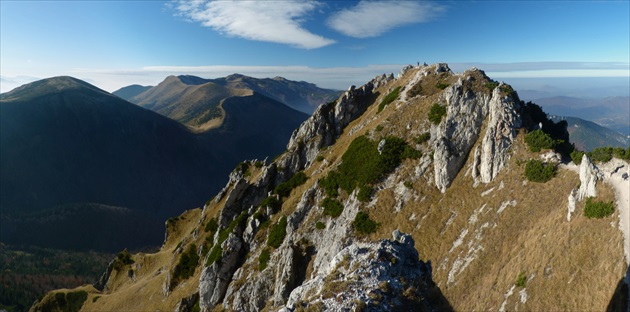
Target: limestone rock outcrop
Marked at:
589, 175
455, 136
373, 276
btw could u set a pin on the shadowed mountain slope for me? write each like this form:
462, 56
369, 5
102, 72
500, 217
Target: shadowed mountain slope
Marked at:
65, 141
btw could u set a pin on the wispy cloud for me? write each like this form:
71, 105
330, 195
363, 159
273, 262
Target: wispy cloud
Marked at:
373, 18
270, 21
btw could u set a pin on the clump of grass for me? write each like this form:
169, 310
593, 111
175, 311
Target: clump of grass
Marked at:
436, 113
408, 184
598, 209
521, 279
215, 255
320, 225
263, 259
441, 85
392, 96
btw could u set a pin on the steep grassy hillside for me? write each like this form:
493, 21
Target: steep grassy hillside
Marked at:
67, 142
128, 92
434, 154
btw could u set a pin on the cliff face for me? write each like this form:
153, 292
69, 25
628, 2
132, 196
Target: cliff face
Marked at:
277, 238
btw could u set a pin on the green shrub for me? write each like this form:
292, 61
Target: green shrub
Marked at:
242, 167
215, 255
365, 193
258, 164
319, 158
537, 140
332, 207
320, 225
211, 226
621, 153
424, 137
598, 209
506, 89
601, 154
284, 189
238, 221
537, 171
96, 298
122, 258
263, 259
74, 301
272, 202
408, 184
415, 90
392, 96
521, 279
363, 165
187, 264
441, 85
436, 113
379, 128
576, 156
363, 224
277, 233
492, 85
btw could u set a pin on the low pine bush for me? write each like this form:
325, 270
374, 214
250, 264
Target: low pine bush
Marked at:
537, 140
277, 233
392, 96
537, 171
598, 209
436, 113
284, 189
332, 207
187, 264
363, 224
263, 259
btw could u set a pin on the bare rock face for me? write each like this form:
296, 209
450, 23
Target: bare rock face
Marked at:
455, 136
328, 121
373, 276
589, 174
504, 120
215, 278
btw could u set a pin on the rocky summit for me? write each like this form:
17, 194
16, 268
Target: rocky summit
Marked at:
421, 192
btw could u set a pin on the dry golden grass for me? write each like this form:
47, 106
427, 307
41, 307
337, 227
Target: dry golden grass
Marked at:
570, 266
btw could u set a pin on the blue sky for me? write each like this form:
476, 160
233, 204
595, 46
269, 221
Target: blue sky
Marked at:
333, 44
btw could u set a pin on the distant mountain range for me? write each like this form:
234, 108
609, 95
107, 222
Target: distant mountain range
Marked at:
610, 112
587, 135
66, 142
196, 101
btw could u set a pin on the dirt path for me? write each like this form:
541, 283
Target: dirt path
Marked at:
622, 193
